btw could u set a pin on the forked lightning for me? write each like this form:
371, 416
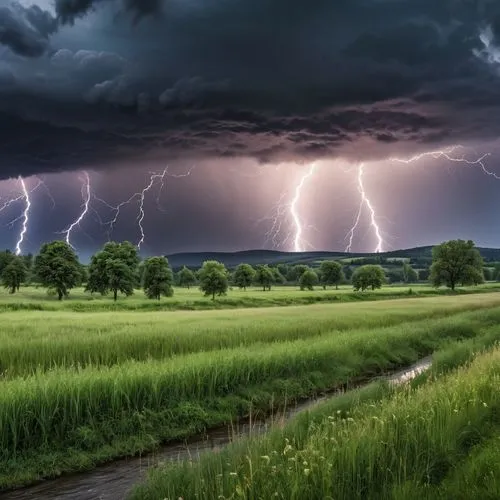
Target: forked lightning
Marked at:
447, 154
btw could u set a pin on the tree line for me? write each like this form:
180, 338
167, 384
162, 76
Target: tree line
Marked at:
117, 269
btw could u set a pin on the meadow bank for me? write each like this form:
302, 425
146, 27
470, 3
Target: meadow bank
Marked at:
62, 414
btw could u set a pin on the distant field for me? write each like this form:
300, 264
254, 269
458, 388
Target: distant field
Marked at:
77, 389
31, 298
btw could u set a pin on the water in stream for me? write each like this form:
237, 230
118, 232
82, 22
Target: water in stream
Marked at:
115, 480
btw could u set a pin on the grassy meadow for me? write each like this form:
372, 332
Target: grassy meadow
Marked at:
37, 299
79, 387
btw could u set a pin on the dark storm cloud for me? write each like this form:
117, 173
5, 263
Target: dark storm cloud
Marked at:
70, 10
270, 79
26, 30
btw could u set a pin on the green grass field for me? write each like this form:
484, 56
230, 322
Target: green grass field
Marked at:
32, 298
82, 388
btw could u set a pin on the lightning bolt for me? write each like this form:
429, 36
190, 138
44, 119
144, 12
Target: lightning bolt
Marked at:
286, 223
90, 198
24, 196
25, 216
142, 198
365, 201
447, 154
298, 243
86, 197
350, 234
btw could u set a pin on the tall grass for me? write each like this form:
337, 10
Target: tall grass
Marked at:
33, 299
93, 407
37, 342
388, 449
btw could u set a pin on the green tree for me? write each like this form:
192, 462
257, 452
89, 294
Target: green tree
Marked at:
488, 273
409, 274
28, 261
283, 269
99, 278
331, 273
6, 257
243, 276
158, 278
14, 275
57, 268
264, 277
295, 272
308, 280
121, 278
279, 279
424, 274
214, 278
186, 277
395, 276
348, 272
368, 276
456, 262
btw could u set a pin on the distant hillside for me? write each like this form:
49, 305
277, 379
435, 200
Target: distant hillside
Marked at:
253, 257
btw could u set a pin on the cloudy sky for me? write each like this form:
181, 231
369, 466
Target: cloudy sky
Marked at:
241, 100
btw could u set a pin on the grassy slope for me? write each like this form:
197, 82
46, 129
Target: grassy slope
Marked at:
404, 447
63, 420
37, 341
36, 299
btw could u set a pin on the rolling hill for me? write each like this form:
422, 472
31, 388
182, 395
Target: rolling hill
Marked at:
254, 257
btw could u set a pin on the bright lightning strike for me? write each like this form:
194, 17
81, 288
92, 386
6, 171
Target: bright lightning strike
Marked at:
365, 202
286, 222
86, 197
298, 243
25, 216
447, 154
368, 203
142, 198
89, 198
25, 197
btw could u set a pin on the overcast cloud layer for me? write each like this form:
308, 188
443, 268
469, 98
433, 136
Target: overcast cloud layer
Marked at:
87, 82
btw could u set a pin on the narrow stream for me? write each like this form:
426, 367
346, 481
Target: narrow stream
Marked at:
115, 480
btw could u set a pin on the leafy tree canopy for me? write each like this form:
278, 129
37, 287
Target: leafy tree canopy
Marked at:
243, 276
214, 278
14, 274
186, 277
99, 277
368, 276
456, 262
57, 268
264, 277
331, 273
308, 279
158, 278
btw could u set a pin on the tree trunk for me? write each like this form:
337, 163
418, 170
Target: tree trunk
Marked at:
60, 294
336, 286
115, 295
213, 296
